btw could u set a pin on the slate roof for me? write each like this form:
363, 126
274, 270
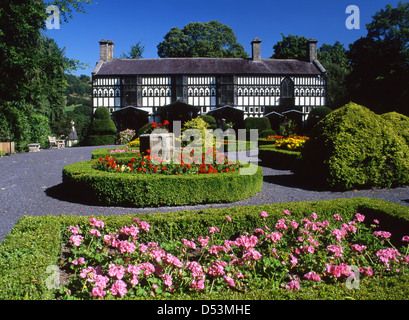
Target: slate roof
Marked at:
204, 66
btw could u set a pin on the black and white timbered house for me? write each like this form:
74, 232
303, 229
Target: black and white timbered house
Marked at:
252, 87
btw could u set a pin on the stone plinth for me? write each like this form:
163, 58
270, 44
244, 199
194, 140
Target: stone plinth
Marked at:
159, 144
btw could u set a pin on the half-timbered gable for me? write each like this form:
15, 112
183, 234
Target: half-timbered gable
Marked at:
255, 86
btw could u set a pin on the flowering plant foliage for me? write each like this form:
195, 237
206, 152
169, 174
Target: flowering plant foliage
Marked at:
151, 164
161, 125
126, 136
123, 150
294, 143
287, 254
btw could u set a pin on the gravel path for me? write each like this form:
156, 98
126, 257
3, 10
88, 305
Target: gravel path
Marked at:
31, 184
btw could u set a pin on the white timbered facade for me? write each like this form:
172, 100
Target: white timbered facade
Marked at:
254, 86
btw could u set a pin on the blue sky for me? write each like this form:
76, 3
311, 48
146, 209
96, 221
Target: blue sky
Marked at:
128, 21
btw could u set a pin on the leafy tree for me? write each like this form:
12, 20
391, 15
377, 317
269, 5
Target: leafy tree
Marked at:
196, 39
335, 61
68, 7
79, 86
380, 62
32, 68
136, 52
333, 58
291, 47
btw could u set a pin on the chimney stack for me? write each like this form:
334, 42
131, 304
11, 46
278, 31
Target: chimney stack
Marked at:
256, 49
106, 50
312, 53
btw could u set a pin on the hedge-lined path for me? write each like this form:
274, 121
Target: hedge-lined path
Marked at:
31, 184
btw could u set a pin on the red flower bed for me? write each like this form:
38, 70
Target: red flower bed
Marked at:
205, 163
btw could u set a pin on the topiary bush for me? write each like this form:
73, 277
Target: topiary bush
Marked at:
103, 129
315, 116
352, 147
261, 124
210, 120
266, 133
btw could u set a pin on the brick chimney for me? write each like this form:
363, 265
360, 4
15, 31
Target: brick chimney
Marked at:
312, 53
106, 50
256, 49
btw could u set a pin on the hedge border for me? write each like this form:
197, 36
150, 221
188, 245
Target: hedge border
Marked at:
102, 153
35, 243
139, 190
278, 159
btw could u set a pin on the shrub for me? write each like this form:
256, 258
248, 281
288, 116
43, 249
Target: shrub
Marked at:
142, 190
278, 159
40, 129
103, 140
266, 133
353, 147
134, 144
120, 152
24, 125
315, 116
198, 124
103, 129
126, 136
261, 124
145, 129
399, 123
210, 120
288, 128
25, 257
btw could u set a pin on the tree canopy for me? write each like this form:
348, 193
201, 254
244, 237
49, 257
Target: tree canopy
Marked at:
380, 62
135, 52
211, 39
335, 61
32, 69
290, 47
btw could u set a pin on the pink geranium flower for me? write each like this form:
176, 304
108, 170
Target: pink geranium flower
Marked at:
405, 239
263, 214
213, 230
119, 287
96, 223
382, 234
293, 285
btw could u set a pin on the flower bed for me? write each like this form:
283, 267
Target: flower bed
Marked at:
147, 164
149, 190
34, 252
117, 152
286, 253
276, 158
294, 143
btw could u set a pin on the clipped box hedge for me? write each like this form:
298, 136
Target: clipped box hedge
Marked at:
140, 190
35, 243
279, 159
103, 152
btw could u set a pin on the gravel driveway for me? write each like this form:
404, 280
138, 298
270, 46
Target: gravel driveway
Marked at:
31, 184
